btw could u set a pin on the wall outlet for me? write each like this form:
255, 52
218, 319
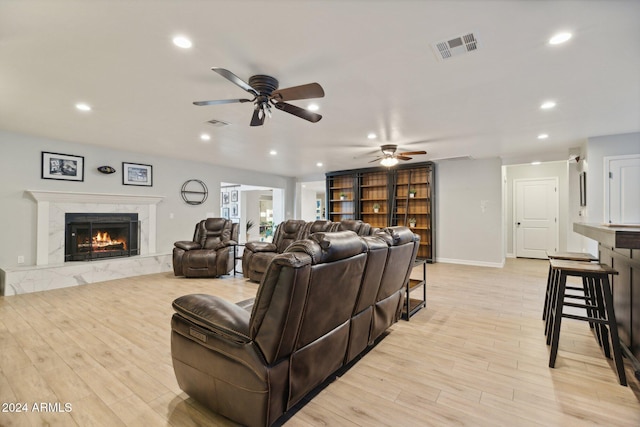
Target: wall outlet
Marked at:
20, 259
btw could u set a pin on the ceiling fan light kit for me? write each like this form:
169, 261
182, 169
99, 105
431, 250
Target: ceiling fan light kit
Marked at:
390, 157
265, 94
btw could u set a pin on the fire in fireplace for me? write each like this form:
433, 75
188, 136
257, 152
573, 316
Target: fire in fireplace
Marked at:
94, 235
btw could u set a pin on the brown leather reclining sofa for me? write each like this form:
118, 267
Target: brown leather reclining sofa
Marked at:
257, 255
321, 303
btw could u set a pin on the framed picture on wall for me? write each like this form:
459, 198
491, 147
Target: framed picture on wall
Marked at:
234, 210
66, 167
234, 196
225, 213
225, 198
583, 189
137, 174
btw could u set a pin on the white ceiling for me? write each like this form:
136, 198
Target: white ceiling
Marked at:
373, 59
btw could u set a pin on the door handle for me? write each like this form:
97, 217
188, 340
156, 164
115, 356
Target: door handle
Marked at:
517, 223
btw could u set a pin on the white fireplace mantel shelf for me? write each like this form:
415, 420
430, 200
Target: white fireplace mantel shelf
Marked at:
74, 197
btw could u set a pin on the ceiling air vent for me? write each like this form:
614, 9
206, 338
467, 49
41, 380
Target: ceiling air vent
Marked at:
217, 123
447, 49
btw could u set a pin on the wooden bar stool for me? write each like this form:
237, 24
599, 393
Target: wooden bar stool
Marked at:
599, 308
566, 256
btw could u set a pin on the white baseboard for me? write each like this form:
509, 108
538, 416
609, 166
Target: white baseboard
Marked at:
511, 255
470, 262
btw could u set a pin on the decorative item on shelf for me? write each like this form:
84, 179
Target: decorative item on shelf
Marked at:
412, 222
248, 226
194, 192
412, 192
137, 174
343, 196
376, 207
106, 169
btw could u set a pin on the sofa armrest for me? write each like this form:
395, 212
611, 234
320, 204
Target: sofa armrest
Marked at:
224, 244
186, 245
221, 317
261, 247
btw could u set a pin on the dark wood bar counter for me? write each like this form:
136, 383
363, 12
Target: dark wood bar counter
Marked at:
619, 247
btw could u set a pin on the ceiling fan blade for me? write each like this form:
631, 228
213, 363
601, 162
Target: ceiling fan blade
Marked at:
221, 101
235, 79
297, 111
311, 90
412, 153
400, 157
257, 119
376, 160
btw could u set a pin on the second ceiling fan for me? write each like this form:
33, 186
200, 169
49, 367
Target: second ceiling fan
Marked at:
266, 93
389, 156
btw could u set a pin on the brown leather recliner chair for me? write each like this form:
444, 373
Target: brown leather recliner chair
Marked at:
210, 253
253, 367
403, 249
257, 255
358, 226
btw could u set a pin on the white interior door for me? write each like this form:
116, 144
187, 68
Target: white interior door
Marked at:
622, 192
536, 217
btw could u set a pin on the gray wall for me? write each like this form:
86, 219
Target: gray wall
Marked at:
464, 232
20, 170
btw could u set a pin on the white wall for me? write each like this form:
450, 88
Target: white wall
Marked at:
20, 170
464, 232
597, 149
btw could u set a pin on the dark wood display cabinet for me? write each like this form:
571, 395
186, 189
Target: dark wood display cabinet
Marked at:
386, 197
340, 194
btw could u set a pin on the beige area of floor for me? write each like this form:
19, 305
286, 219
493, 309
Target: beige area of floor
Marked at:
475, 356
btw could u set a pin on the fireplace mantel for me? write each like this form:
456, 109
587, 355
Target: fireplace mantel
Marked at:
51, 206
112, 199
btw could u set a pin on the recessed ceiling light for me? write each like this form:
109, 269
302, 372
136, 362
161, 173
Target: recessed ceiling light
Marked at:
319, 164
372, 136
273, 152
182, 41
535, 163
205, 137
543, 136
313, 107
83, 107
560, 38
547, 105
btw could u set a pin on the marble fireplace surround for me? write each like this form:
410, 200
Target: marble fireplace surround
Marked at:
51, 272
53, 205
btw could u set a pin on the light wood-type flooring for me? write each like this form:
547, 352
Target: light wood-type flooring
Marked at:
475, 356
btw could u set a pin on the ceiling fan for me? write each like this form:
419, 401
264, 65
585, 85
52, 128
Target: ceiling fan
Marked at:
390, 157
266, 93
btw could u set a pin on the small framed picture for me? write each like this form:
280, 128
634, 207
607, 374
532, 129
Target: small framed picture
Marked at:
62, 166
583, 189
225, 213
234, 210
225, 198
137, 174
234, 196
